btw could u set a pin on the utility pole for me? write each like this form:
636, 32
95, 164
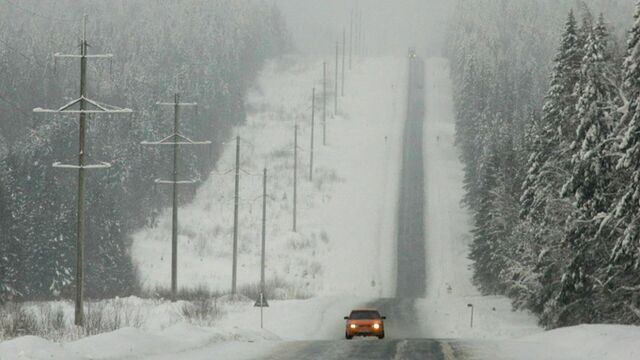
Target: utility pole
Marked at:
313, 114
351, 40
344, 55
364, 44
359, 33
85, 106
175, 140
324, 103
264, 235
236, 198
262, 299
335, 109
295, 178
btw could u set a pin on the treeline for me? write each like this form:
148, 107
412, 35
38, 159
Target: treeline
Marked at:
209, 51
552, 166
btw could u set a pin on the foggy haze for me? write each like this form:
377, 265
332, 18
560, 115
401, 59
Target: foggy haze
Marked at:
462, 182
391, 26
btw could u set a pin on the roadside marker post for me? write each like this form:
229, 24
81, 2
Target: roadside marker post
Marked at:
261, 303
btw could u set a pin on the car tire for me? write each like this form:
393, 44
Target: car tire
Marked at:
346, 336
381, 336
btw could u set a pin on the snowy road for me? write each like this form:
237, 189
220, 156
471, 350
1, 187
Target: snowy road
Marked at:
418, 349
411, 282
403, 327
428, 318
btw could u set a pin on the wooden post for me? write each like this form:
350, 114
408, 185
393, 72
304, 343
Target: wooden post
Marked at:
313, 114
324, 103
295, 179
335, 109
174, 205
234, 271
79, 309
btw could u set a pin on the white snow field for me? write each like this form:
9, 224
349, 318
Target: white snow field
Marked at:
345, 224
343, 255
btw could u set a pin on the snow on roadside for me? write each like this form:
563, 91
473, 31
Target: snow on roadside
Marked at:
448, 233
583, 342
35, 348
134, 343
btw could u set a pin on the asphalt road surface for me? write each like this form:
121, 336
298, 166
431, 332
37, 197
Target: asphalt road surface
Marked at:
402, 327
411, 273
405, 349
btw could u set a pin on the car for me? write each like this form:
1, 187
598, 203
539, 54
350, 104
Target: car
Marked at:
412, 53
364, 322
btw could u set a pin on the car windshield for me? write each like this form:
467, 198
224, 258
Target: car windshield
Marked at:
364, 314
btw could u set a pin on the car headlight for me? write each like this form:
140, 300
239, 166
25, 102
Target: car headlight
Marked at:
353, 326
376, 326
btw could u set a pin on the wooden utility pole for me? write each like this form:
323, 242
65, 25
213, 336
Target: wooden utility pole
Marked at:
85, 106
313, 114
295, 178
236, 198
262, 298
264, 235
351, 40
335, 109
175, 140
344, 55
174, 205
79, 311
324, 103
364, 45
359, 33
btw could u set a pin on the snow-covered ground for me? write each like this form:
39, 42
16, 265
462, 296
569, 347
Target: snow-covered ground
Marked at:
345, 215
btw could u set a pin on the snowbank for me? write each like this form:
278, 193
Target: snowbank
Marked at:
35, 348
584, 342
135, 343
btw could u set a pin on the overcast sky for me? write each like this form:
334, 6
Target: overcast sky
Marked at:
391, 26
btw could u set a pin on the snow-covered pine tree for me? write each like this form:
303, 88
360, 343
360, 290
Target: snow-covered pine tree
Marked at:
546, 163
473, 119
496, 212
486, 263
588, 186
625, 255
9, 248
543, 211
